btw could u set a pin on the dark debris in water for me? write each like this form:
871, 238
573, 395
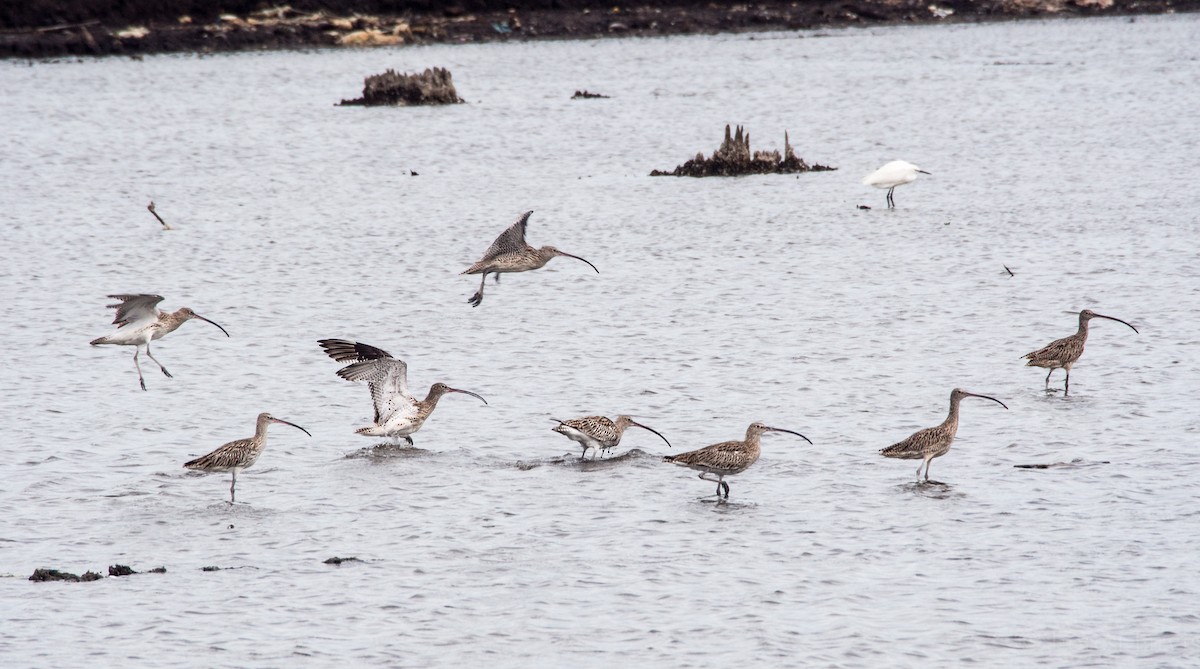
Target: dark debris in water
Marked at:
434, 86
339, 560
733, 158
120, 570
587, 95
1077, 462
42, 575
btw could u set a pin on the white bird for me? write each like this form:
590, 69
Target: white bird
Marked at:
895, 173
139, 321
397, 413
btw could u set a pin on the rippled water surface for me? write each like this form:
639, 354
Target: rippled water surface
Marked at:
1065, 150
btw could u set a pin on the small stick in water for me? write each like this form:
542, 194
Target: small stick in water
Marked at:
164, 223
1010, 272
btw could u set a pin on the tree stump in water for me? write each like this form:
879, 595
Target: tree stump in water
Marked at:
432, 87
734, 158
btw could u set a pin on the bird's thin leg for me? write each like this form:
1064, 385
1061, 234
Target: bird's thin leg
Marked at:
890, 201
1048, 378
160, 365
1067, 384
722, 484
927, 461
138, 367
496, 277
408, 438
584, 453
477, 298
232, 484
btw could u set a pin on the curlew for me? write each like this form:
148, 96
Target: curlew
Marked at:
598, 432
1064, 353
728, 457
139, 321
510, 253
238, 455
895, 173
933, 442
397, 413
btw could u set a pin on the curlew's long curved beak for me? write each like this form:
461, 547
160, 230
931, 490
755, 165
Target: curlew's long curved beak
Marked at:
780, 429
652, 430
578, 258
214, 323
924, 172
1117, 320
986, 397
276, 420
466, 392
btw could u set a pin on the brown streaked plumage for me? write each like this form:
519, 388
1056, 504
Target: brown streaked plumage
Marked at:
933, 442
139, 321
510, 253
728, 457
397, 413
238, 455
598, 432
1064, 353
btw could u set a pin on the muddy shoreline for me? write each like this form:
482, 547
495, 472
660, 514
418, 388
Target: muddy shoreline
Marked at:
58, 28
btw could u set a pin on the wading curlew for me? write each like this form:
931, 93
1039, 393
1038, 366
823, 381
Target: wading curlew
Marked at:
397, 413
895, 173
139, 322
238, 455
728, 457
1064, 353
933, 442
510, 253
598, 432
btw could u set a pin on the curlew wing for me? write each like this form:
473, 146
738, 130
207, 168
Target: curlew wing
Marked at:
727, 455
914, 447
234, 454
1057, 352
599, 428
135, 308
511, 240
344, 350
387, 378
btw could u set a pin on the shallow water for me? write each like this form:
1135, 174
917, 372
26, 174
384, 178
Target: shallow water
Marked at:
1063, 150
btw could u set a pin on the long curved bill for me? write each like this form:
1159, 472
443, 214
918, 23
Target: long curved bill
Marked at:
1117, 320
987, 398
276, 420
578, 258
218, 327
780, 429
466, 392
652, 430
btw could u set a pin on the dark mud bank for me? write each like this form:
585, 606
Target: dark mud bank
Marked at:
55, 28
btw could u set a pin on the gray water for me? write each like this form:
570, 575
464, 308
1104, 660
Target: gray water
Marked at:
1065, 150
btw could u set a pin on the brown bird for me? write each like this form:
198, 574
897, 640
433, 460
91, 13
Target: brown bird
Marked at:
397, 414
238, 455
598, 432
728, 457
509, 253
139, 322
1064, 353
933, 442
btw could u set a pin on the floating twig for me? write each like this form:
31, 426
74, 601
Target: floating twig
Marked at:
160, 220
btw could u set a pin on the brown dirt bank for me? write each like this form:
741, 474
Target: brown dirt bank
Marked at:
53, 28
